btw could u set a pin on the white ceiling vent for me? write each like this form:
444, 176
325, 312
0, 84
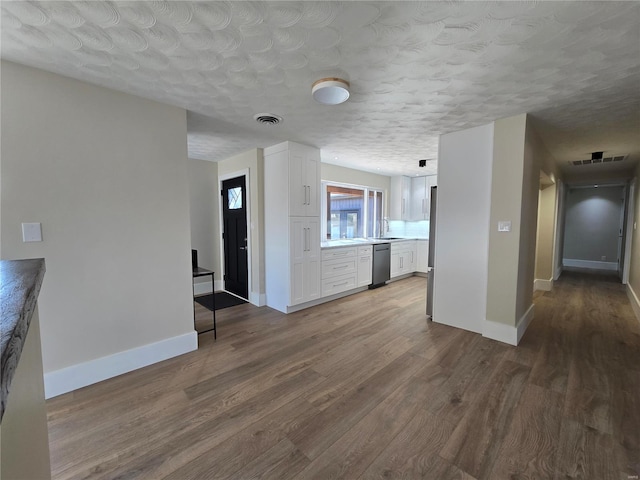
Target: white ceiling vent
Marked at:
267, 118
597, 158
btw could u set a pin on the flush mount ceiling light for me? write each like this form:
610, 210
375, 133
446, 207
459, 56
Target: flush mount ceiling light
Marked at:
330, 91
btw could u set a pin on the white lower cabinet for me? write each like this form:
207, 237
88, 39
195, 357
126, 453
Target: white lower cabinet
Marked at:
365, 265
422, 247
305, 259
340, 266
338, 284
403, 258
345, 268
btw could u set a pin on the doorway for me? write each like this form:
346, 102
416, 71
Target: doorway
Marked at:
234, 236
594, 227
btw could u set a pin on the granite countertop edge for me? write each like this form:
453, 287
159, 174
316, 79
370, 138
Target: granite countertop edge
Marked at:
20, 282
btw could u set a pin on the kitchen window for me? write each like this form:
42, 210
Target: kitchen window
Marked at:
351, 211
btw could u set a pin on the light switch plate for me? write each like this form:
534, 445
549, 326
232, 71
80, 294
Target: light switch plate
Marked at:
31, 232
504, 226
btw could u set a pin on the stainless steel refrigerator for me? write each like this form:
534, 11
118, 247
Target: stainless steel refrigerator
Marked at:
432, 249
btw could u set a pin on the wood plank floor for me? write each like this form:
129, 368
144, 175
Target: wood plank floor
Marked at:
365, 387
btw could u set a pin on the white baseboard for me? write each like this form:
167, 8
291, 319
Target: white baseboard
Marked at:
94, 371
524, 322
572, 262
257, 299
542, 284
635, 303
557, 273
500, 331
508, 333
318, 301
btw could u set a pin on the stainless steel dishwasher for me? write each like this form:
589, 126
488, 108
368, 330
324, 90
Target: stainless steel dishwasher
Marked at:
381, 264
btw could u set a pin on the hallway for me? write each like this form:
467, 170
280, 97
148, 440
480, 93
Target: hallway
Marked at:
364, 387
585, 345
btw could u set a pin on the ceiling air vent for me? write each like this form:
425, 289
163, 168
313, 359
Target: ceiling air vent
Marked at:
267, 118
597, 158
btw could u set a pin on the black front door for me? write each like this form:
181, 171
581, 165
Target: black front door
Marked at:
234, 236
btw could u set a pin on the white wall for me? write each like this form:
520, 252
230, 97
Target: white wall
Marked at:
335, 173
462, 237
633, 286
592, 224
534, 152
505, 251
546, 237
205, 224
106, 175
561, 214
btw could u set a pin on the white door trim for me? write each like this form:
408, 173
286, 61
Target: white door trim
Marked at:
221, 178
631, 207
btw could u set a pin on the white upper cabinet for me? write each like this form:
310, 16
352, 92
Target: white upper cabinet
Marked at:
399, 207
304, 181
411, 197
419, 196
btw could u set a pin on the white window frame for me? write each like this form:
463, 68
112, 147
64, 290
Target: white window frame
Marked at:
365, 220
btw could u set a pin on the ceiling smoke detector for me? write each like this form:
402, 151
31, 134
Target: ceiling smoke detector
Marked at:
330, 91
267, 118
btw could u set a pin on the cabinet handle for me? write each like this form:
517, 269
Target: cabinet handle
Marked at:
307, 241
341, 283
400, 262
341, 267
308, 194
339, 254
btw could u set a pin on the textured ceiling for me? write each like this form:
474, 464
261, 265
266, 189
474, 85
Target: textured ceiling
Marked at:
417, 70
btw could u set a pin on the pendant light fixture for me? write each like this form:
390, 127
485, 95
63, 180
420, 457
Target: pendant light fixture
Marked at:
330, 91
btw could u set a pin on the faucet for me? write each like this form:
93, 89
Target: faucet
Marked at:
385, 225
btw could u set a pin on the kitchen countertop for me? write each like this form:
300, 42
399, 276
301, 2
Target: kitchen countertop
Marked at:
20, 282
354, 242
